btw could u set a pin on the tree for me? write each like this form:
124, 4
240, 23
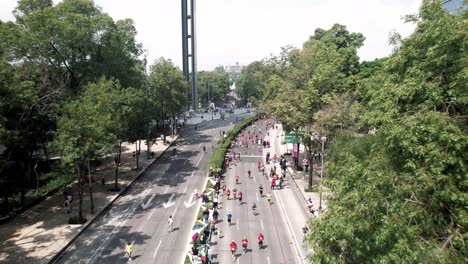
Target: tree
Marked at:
47, 56
399, 196
167, 89
213, 85
90, 127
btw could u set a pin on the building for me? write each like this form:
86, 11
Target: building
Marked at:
233, 71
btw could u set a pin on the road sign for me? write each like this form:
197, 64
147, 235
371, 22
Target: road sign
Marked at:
292, 137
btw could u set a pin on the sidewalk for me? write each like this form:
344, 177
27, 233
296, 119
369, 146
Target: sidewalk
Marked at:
41, 232
301, 178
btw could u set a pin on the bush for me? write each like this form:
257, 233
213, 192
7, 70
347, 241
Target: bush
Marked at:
217, 158
58, 181
200, 214
209, 185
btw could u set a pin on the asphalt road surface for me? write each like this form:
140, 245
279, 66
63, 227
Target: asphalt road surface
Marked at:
280, 222
140, 216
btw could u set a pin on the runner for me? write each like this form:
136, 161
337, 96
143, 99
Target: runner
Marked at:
237, 179
224, 188
254, 206
233, 247
269, 198
260, 189
239, 196
234, 192
128, 250
170, 221
249, 173
245, 241
260, 240
228, 193
229, 217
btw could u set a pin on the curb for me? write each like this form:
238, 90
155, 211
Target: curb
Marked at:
187, 247
291, 173
123, 191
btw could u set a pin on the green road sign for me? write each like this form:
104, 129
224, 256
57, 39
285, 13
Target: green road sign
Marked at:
292, 137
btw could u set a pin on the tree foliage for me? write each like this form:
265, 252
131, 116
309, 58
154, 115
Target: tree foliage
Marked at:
54, 59
213, 85
399, 194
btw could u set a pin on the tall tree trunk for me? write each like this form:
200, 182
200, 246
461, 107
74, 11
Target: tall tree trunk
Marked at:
148, 148
90, 187
139, 151
46, 153
174, 126
137, 156
80, 193
164, 124
116, 164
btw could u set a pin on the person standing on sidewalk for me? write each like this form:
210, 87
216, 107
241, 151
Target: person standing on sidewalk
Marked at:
67, 206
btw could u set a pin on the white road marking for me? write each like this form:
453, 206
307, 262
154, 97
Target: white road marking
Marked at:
154, 254
116, 228
185, 189
261, 223
268, 259
193, 172
167, 189
174, 212
296, 244
200, 159
256, 194
254, 179
152, 212
237, 224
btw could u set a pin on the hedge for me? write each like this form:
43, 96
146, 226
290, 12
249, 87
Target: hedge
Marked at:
33, 196
219, 153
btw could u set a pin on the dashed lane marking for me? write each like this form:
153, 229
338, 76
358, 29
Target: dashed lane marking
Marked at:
156, 251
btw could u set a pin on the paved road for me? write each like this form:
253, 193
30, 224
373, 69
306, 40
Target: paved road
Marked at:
140, 216
280, 222
197, 118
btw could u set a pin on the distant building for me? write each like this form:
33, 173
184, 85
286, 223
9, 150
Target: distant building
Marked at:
233, 71
454, 6
236, 68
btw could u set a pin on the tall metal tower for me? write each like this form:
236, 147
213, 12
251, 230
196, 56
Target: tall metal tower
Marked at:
189, 52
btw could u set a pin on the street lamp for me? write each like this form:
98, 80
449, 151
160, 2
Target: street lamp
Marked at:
322, 140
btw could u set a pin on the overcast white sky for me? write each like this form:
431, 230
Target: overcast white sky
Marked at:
242, 31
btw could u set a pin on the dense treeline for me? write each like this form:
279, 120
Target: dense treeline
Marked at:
396, 178
73, 89
213, 86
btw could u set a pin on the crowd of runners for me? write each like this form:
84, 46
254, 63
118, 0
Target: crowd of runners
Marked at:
250, 140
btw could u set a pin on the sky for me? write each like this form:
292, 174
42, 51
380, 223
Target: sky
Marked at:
230, 31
